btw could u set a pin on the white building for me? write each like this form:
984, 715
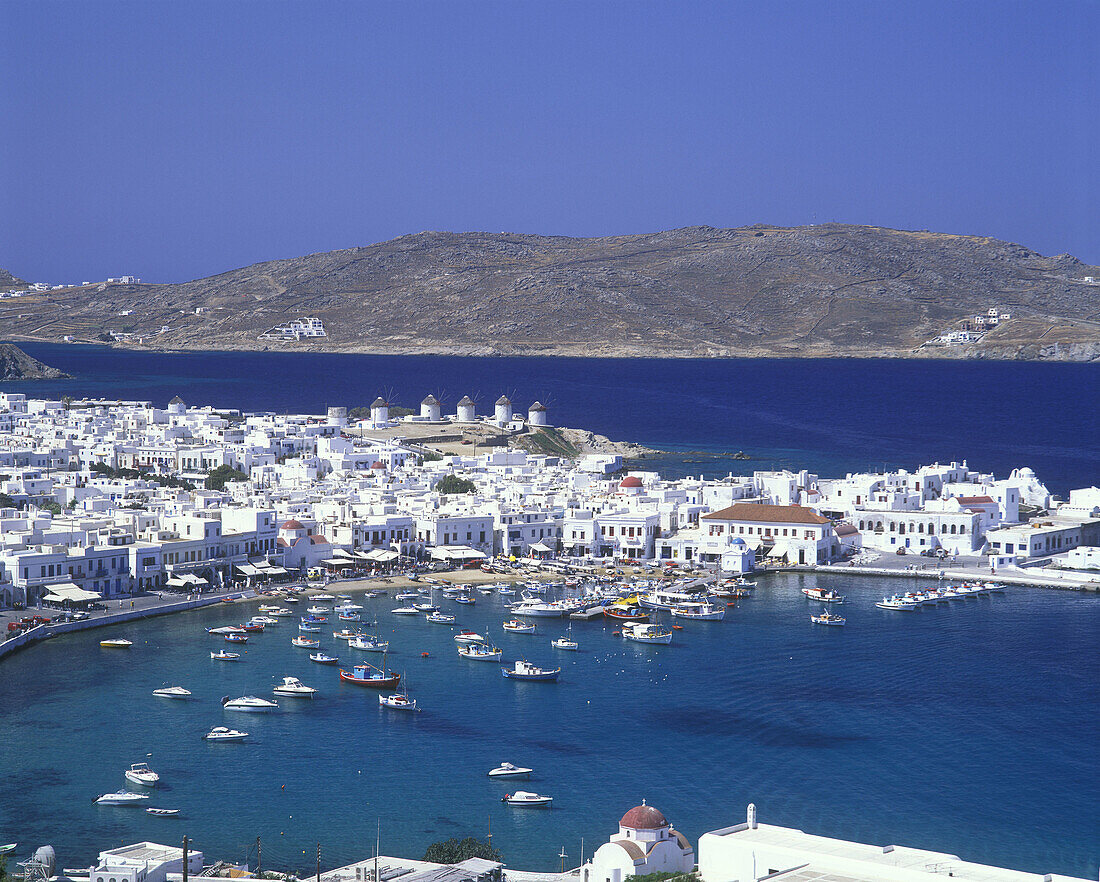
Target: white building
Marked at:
646, 843
430, 409
467, 410
784, 532
752, 851
502, 410
144, 862
297, 329
536, 414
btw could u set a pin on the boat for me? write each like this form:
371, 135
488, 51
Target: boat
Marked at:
221, 733
525, 799
518, 627
10, 847
323, 659
507, 770
464, 598
116, 643
506, 592
898, 602
425, 607
468, 636
824, 595
405, 611
264, 620
313, 620
622, 613
524, 670
250, 627
249, 704
123, 797
140, 773
439, 618
827, 618
699, 611
177, 692
667, 598
282, 612
225, 629
309, 629
641, 632
290, 598
399, 700
346, 634
480, 652
540, 609
348, 616
224, 655
292, 687
370, 676
162, 813
317, 610
406, 595
268, 608
564, 643
306, 642
369, 643
236, 638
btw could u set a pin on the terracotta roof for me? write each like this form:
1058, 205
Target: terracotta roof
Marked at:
630, 481
377, 465
974, 500
318, 540
293, 525
282, 542
683, 840
845, 530
643, 817
766, 514
631, 848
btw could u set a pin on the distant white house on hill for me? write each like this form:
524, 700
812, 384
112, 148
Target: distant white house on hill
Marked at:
297, 329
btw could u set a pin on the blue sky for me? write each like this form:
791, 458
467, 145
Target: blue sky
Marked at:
174, 140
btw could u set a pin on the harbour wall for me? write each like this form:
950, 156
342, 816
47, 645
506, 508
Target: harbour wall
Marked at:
45, 632
1049, 579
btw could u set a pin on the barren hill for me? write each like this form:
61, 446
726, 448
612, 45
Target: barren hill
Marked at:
822, 290
15, 364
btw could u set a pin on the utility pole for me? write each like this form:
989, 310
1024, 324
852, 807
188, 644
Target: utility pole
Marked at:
259, 857
184, 859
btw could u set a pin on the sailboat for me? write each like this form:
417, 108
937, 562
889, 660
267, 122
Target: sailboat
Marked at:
566, 641
399, 700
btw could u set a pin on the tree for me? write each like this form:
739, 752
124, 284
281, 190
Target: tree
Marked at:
453, 851
217, 479
6, 501
53, 508
430, 456
455, 484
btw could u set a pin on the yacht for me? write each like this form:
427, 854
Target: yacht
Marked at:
641, 632
226, 629
507, 770
405, 611
468, 636
268, 609
177, 692
406, 595
115, 643
700, 611
123, 797
524, 670
250, 704
480, 652
524, 799
140, 773
221, 733
264, 620
540, 609
518, 627
369, 643
667, 598
439, 618
292, 687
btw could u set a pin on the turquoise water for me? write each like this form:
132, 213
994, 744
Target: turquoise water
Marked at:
969, 728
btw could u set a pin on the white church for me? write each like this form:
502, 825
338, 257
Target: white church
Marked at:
646, 843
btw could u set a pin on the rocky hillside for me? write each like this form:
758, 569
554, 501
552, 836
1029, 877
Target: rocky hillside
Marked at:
805, 291
15, 364
8, 281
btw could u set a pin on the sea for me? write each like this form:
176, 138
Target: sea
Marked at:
969, 729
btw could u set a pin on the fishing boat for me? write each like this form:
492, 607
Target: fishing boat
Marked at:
564, 643
621, 613
162, 812
264, 620
115, 643
405, 611
824, 595
899, 603
236, 638
507, 770
480, 652
317, 610
225, 655
524, 670
524, 799
323, 658
292, 687
464, 598
309, 629
399, 700
282, 612
251, 627
313, 620
249, 704
642, 632
123, 797
176, 692
506, 592
221, 733
140, 773
350, 616
827, 618
369, 643
370, 676
518, 627
439, 618
306, 642
700, 611
468, 636
346, 634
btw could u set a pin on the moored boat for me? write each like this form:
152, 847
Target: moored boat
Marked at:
162, 812
827, 618
306, 642
525, 799
405, 611
222, 733
369, 643
122, 797
140, 773
176, 692
699, 611
507, 770
518, 627
524, 670
322, 658
480, 652
643, 632
823, 595
468, 636
224, 655
116, 643
370, 676
249, 704
439, 618
292, 687
236, 638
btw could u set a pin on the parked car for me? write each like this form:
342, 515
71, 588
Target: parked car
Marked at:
41, 620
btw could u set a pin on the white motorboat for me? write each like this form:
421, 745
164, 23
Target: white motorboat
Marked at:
221, 733
140, 773
405, 611
348, 607
899, 603
700, 611
468, 637
644, 632
305, 642
667, 598
116, 643
222, 655
406, 595
480, 652
268, 609
398, 701
317, 610
540, 609
292, 687
369, 643
176, 692
507, 770
283, 612
439, 618
564, 643
526, 799
227, 629
162, 812
346, 634
263, 620
250, 704
123, 797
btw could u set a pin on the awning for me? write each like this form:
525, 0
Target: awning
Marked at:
381, 555
779, 550
457, 552
337, 562
541, 547
276, 571
247, 569
71, 592
754, 542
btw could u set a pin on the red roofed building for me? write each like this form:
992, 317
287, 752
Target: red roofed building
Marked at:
784, 533
646, 843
